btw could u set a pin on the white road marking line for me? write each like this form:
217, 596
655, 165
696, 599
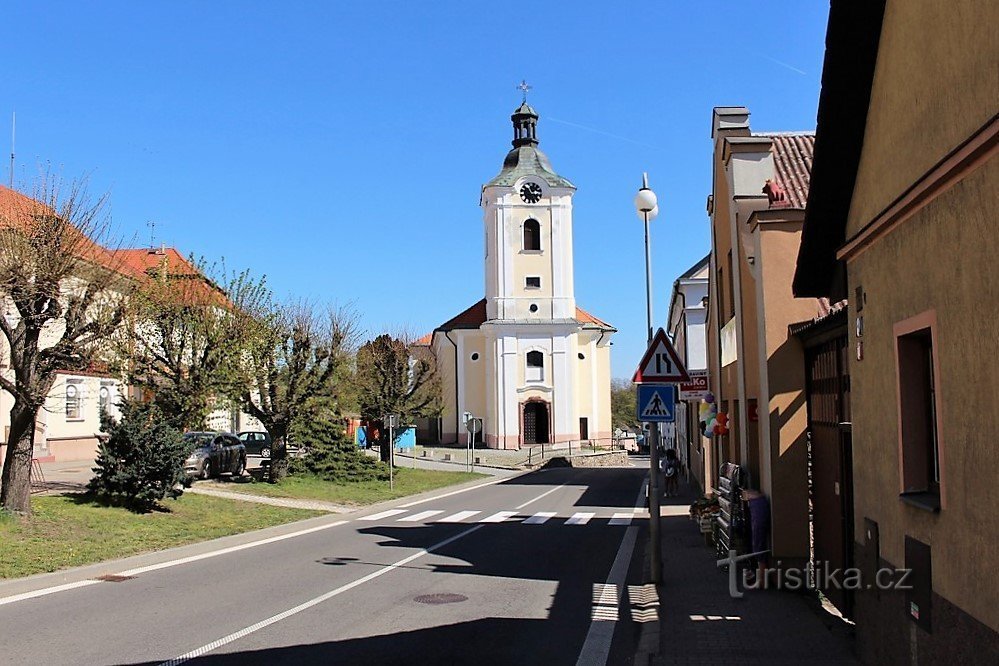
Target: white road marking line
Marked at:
459, 491
596, 647
383, 514
417, 517
499, 517
165, 565
540, 518
621, 519
548, 492
225, 640
579, 518
47, 590
458, 517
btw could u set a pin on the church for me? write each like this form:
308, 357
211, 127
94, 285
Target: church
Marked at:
525, 359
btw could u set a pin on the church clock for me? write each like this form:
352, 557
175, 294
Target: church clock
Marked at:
530, 193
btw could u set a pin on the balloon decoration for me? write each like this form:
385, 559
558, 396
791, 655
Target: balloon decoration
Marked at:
712, 421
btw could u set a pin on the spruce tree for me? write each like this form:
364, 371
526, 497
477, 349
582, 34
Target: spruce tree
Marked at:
332, 454
141, 461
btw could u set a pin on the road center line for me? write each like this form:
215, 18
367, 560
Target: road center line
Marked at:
549, 492
225, 640
457, 492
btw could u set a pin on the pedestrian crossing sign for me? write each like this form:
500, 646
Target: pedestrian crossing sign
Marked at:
656, 403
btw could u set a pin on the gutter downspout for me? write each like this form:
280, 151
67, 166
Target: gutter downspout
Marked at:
457, 416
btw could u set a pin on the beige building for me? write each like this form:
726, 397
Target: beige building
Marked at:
755, 364
67, 426
526, 359
902, 217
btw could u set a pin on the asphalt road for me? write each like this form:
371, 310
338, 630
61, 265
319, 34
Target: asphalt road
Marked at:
536, 568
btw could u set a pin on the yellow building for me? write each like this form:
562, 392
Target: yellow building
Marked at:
755, 365
526, 359
902, 217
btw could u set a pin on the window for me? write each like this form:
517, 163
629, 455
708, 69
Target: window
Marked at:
74, 390
584, 427
474, 356
105, 396
532, 236
535, 366
919, 447
534, 307
582, 356
533, 282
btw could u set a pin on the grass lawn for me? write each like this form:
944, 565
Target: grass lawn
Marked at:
408, 481
68, 530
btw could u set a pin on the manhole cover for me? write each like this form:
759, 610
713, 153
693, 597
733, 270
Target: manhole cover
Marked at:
440, 598
113, 578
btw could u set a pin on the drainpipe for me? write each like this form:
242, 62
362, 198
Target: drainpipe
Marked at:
457, 416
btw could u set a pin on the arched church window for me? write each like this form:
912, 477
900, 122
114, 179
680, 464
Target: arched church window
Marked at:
535, 366
532, 235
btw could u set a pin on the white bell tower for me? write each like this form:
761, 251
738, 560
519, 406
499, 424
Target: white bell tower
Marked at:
527, 210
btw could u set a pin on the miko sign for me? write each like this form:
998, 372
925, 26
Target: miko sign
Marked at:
656, 403
661, 363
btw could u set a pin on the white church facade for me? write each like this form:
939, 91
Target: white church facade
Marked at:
526, 359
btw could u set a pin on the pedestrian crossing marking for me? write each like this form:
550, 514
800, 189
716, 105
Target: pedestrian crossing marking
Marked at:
383, 514
621, 519
499, 517
458, 517
417, 517
579, 518
540, 518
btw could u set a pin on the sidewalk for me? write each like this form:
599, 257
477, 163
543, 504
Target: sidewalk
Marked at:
700, 623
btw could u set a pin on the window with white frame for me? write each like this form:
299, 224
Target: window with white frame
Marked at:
535, 371
74, 399
105, 396
532, 282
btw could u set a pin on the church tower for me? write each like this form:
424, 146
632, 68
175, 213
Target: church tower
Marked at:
526, 359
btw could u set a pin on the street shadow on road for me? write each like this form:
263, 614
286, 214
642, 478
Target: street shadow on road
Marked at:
603, 486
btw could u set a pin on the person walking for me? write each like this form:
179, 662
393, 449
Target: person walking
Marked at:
671, 470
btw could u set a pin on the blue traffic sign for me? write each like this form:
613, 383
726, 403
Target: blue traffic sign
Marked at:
656, 403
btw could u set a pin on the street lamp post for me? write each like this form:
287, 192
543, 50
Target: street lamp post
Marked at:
647, 206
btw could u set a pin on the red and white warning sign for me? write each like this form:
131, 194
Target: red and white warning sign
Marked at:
661, 364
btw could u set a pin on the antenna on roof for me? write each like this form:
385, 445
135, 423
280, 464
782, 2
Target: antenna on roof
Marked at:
13, 129
152, 233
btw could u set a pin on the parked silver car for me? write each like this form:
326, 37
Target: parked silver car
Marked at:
214, 453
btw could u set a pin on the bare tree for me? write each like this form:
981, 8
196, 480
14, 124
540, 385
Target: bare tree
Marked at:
299, 355
397, 376
64, 294
192, 322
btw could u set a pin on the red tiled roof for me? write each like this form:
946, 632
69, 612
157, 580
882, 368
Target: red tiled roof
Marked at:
792, 153
586, 318
425, 340
475, 316
142, 261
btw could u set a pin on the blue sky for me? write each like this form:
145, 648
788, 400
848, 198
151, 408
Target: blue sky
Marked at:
339, 148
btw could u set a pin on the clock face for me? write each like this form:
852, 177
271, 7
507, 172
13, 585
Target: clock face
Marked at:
530, 193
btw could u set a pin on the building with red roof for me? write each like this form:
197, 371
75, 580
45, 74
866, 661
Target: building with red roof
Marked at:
526, 359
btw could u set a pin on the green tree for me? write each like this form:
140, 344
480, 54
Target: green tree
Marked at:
395, 376
141, 460
624, 394
191, 324
332, 455
297, 356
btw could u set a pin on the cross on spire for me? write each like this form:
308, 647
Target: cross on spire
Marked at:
524, 88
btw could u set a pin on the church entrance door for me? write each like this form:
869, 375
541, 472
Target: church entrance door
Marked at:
535, 422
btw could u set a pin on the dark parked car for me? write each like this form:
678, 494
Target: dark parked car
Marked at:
214, 453
256, 442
